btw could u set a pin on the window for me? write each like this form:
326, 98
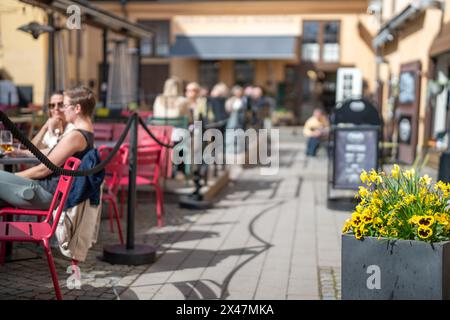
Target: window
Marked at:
320, 41
311, 46
161, 28
330, 52
208, 73
244, 73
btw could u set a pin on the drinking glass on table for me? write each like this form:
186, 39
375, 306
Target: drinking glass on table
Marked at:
6, 141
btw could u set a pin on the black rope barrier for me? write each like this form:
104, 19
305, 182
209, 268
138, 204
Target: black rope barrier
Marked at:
144, 125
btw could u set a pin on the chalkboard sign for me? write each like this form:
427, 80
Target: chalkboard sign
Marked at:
356, 149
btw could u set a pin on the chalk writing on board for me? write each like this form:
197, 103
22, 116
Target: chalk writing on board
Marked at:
355, 150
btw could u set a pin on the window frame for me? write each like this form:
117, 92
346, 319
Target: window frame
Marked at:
321, 40
154, 42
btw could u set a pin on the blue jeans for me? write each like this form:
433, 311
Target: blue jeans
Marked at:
22, 193
312, 146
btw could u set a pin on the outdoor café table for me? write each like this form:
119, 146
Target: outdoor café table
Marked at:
8, 163
110, 144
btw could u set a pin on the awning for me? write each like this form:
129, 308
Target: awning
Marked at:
413, 10
441, 43
96, 16
235, 47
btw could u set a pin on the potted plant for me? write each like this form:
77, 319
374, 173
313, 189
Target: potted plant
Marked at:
396, 243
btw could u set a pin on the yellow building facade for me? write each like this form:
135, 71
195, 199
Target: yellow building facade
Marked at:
410, 31
301, 45
22, 58
300, 81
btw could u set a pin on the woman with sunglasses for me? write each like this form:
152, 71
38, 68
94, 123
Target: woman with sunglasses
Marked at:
56, 126
52, 131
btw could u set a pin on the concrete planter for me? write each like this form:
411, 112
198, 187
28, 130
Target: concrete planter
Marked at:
394, 269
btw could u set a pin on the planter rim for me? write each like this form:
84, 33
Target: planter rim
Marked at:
383, 239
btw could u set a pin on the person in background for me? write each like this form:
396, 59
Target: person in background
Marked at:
170, 104
194, 102
235, 106
204, 92
34, 188
216, 102
316, 129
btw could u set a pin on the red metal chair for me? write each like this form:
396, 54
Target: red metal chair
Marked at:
40, 232
113, 175
103, 131
163, 134
148, 169
118, 128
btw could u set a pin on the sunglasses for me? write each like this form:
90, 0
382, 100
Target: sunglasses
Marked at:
52, 106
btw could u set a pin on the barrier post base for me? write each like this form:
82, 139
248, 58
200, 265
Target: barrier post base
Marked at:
119, 254
194, 202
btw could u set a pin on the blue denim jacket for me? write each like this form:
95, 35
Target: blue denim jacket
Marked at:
86, 187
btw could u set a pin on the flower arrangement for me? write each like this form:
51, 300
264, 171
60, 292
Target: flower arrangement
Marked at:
401, 205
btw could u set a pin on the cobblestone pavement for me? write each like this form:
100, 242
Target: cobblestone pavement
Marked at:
267, 237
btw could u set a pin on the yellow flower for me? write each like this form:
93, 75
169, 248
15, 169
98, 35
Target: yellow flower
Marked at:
366, 218
395, 171
363, 192
440, 186
394, 233
414, 219
424, 232
347, 226
359, 233
374, 177
425, 180
356, 219
364, 177
378, 220
410, 173
410, 198
441, 218
425, 221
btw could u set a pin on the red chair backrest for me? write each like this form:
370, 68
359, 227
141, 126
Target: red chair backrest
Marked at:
62, 192
115, 169
148, 161
103, 131
163, 134
118, 128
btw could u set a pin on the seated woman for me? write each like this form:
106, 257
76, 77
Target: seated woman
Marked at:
55, 127
34, 188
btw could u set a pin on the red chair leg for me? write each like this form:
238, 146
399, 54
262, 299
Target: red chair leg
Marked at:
110, 216
119, 227
51, 265
122, 201
159, 205
2, 252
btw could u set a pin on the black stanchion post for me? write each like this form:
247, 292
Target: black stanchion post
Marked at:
195, 200
130, 254
132, 159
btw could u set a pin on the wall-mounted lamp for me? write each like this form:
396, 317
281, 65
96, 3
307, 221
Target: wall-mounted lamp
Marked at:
35, 29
